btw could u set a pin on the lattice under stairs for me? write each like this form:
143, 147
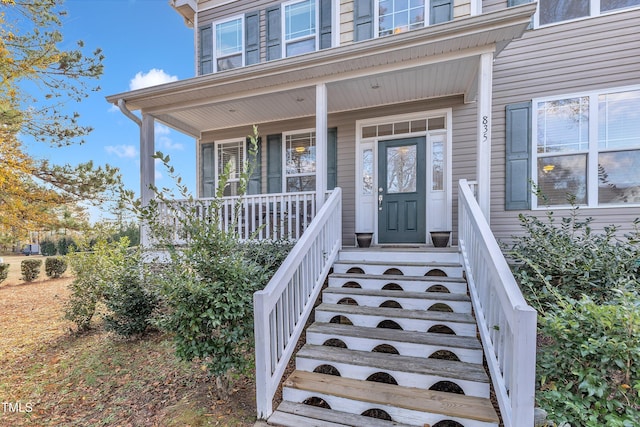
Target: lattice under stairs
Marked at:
393, 344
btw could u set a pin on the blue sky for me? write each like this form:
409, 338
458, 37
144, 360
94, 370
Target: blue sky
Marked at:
145, 42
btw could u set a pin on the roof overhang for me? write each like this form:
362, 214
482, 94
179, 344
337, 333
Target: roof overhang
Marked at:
186, 9
440, 60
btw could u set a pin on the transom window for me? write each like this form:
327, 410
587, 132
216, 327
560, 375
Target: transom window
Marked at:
300, 27
229, 44
230, 160
551, 11
300, 161
398, 16
588, 148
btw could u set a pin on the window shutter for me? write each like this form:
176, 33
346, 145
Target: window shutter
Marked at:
332, 158
252, 38
206, 49
255, 180
518, 151
274, 33
274, 163
208, 184
326, 19
441, 11
363, 19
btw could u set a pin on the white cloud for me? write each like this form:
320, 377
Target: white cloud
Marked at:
161, 129
152, 78
122, 151
163, 139
113, 109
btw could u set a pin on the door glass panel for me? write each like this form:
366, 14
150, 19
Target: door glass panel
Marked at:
401, 169
367, 172
437, 160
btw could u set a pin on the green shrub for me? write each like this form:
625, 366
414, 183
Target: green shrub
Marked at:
48, 248
4, 272
92, 271
66, 245
55, 266
567, 254
30, 269
129, 301
589, 371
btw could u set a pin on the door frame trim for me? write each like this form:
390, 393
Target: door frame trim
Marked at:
366, 205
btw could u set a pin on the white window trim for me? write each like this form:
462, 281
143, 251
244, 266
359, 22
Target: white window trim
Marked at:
369, 202
593, 7
285, 175
215, 50
283, 26
592, 151
217, 164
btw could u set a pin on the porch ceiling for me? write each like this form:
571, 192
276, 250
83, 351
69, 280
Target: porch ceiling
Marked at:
436, 61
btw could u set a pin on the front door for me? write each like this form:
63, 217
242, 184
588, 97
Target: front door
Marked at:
401, 191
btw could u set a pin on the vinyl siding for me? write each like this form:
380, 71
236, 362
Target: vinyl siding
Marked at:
493, 5
591, 54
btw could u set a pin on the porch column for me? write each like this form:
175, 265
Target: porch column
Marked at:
321, 144
147, 167
484, 101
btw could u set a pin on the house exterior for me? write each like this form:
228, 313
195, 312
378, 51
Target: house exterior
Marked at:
396, 100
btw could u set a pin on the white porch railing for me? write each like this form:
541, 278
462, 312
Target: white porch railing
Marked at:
507, 324
261, 216
282, 308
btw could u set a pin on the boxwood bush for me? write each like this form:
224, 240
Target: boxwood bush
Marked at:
30, 269
55, 266
4, 272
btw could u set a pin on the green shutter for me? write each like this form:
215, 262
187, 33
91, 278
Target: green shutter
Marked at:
252, 38
274, 163
255, 180
208, 171
441, 11
274, 33
363, 19
326, 21
206, 49
332, 158
518, 155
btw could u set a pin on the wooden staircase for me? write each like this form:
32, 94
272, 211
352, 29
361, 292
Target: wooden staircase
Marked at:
393, 344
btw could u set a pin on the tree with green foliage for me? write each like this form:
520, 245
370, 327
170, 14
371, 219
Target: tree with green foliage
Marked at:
39, 78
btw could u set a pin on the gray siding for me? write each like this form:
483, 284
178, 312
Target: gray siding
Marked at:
596, 53
493, 5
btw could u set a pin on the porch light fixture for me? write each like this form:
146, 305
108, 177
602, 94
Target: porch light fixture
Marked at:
299, 99
375, 86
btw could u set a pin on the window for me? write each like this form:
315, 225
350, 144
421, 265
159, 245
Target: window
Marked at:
300, 161
399, 16
229, 44
230, 161
551, 11
588, 148
300, 27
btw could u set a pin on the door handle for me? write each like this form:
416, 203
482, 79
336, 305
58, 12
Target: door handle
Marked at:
380, 198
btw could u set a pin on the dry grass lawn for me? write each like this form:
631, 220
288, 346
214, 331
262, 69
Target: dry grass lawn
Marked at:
52, 376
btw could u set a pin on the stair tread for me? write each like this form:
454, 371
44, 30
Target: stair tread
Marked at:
387, 312
395, 362
400, 263
392, 277
449, 404
298, 414
397, 335
444, 296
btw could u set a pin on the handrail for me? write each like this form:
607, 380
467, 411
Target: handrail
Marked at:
282, 308
507, 324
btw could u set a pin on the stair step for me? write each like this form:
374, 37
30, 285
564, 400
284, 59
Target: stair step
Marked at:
406, 370
409, 320
290, 414
459, 303
404, 404
453, 269
421, 254
408, 343
455, 285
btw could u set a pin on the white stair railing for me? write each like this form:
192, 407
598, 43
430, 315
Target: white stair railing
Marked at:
283, 307
507, 324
